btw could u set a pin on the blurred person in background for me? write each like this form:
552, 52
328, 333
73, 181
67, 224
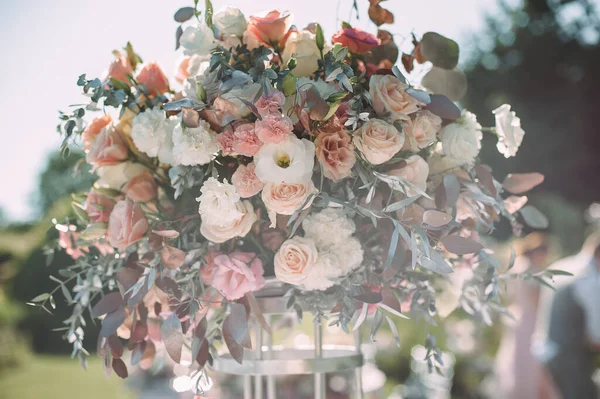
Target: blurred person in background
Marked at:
571, 325
519, 375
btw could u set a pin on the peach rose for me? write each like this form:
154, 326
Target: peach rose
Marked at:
415, 171
183, 70
208, 268
238, 227
127, 224
153, 77
141, 188
358, 41
295, 259
273, 128
93, 130
245, 140
335, 152
245, 181
389, 97
98, 207
271, 104
120, 68
270, 29
237, 274
284, 198
108, 149
225, 142
422, 131
378, 141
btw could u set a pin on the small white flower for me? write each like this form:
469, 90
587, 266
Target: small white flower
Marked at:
461, 140
197, 39
219, 203
290, 161
194, 146
230, 21
151, 130
508, 128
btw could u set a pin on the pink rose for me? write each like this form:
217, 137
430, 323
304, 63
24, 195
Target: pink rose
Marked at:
93, 130
67, 239
378, 141
335, 152
141, 188
358, 41
285, 199
120, 68
225, 142
237, 274
238, 227
153, 77
271, 104
415, 171
108, 149
389, 97
98, 207
269, 30
422, 131
207, 270
245, 140
245, 181
127, 224
273, 128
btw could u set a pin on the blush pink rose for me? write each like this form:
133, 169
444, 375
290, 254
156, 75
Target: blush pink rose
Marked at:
93, 130
237, 274
153, 77
356, 40
141, 188
245, 140
421, 131
245, 181
390, 97
127, 224
378, 141
120, 68
108, 149
273, 128
98, 207
271, 104
335, 152
207, 269
269, 30
225, 142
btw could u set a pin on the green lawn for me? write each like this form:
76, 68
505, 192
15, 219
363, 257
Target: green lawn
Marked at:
48, 377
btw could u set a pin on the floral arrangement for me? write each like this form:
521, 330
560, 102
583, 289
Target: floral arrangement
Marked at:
280, 155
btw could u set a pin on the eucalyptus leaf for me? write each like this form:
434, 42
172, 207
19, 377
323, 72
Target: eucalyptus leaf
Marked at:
533, 217
172, 336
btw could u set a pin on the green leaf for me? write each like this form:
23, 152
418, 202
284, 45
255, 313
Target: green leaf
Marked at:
533, 217
80, 212
394, 330
184, 14
41, 298
208, 14
320, 37
172, 337
118, 84
441, 51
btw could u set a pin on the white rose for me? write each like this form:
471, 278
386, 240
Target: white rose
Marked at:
194, 146
230, 21
117, 176
247, 93
415, 172
378, 141
151, 130
508, 128
197, 39
331, 226
462, 140
303, 46
290, 161
422, 131
219, 203
220, 233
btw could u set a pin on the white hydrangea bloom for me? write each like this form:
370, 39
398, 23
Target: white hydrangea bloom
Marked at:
219, 203
349, 254
194, 146
198, 39
508, 128
329, 227
151, 130
462, 140
323, 273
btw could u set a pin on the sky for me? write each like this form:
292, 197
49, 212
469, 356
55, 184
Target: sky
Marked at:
47, 44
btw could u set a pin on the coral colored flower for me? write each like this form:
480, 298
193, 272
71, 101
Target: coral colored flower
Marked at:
335, 152
183, 70
245, 181
93, 130
269, 29
98, 207
358, 41
120, 68
127, 224
237, 274
109, 148
153, 77
141, 188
